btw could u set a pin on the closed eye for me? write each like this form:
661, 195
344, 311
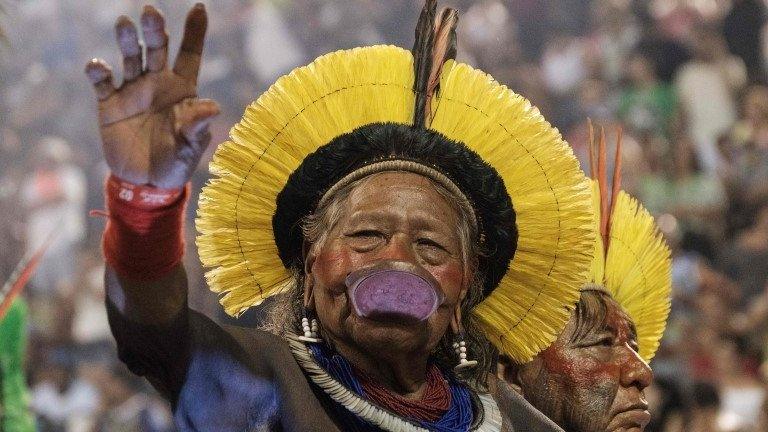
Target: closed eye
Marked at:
605, 341
365, 240
430, 242
365, 233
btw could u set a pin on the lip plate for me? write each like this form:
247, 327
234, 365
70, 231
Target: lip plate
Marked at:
393, 295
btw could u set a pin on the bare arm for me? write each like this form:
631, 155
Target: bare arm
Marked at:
753, 317
154, 131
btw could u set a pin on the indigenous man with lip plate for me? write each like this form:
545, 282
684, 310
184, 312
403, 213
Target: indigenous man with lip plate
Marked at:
413, 216
591, 379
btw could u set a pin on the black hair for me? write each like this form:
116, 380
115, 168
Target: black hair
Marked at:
592, 311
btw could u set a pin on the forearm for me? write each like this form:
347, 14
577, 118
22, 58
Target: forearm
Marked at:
150, 324
154, 302
143, 248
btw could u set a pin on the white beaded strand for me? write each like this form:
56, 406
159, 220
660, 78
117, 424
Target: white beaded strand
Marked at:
310, 330
460, 347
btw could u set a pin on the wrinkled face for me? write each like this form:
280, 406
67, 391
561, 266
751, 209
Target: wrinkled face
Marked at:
390, 218
591, 382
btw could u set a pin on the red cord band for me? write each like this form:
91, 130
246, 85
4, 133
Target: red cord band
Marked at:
144, 236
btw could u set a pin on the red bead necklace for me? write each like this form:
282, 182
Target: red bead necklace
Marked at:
433, 403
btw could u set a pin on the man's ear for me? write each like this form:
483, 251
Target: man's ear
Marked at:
456, 319
307, 256
523, 376
509, 372
309, 260
309, 297
464, 291
470, 274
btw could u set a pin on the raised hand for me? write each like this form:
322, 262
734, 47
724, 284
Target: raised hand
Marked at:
153, 127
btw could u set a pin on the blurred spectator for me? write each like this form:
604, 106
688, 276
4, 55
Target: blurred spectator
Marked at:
742, 29
621, 62
11, 225
747, 152
54, 197
563, 69
751, 128
697, 200
707, 87
616, 35
741, 394
746, 259
706, 409
90, 327
562, 64
647, 105
669, 406
64, 402
272, 47
533, 25
126, 407
488, 28
668, 54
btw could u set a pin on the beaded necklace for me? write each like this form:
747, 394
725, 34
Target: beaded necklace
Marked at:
457, 417
433, 404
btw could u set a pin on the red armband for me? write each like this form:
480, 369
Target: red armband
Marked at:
144, 236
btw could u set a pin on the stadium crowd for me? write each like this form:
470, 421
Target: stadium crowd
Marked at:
685, 79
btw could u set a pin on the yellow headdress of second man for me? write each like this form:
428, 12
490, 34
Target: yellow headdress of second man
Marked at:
631, 259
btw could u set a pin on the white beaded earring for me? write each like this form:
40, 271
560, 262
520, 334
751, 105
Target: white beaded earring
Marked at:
460, 347
310, 330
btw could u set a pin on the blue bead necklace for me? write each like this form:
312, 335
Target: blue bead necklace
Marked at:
458, 418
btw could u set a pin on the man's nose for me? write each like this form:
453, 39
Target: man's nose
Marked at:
399, 248
635, 371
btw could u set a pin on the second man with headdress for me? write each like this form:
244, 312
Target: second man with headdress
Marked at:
593, 377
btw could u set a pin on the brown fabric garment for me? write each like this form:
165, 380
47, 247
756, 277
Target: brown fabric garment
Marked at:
234, 379
519, 415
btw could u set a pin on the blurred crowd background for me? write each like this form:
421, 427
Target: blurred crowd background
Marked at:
686, 79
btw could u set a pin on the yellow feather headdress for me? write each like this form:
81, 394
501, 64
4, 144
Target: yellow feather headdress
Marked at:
346, 90
631, 259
